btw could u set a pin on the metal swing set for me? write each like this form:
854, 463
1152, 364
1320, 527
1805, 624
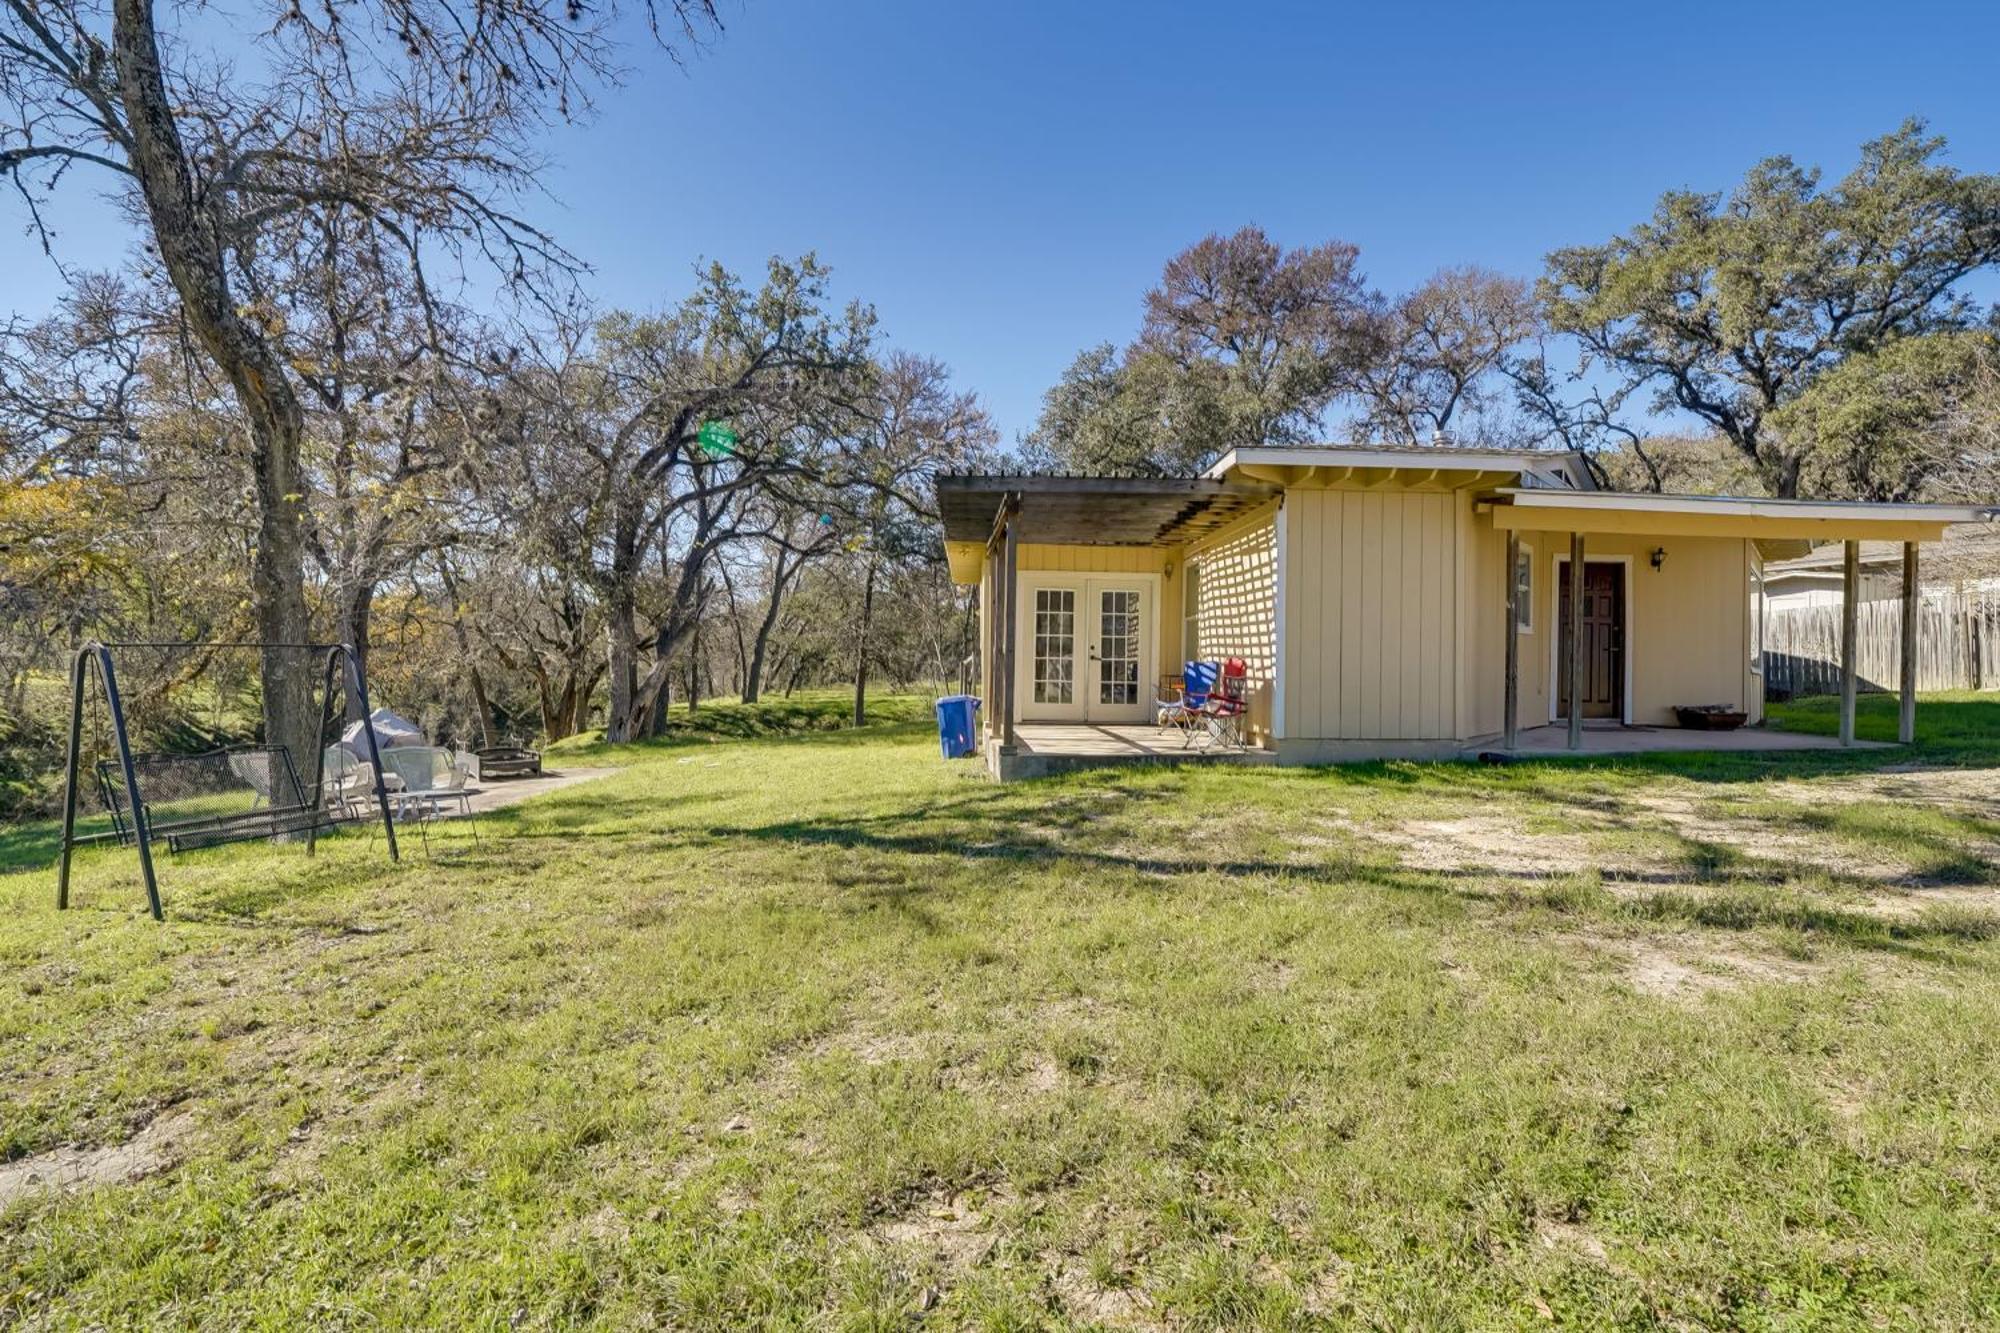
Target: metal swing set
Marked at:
281, 805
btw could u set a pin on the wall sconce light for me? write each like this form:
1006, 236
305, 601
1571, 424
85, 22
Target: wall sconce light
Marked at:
1659, 557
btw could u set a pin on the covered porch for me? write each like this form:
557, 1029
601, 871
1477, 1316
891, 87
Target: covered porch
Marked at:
1638, 527
1080, 606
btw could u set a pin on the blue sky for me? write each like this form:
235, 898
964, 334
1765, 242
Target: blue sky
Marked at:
1005, 181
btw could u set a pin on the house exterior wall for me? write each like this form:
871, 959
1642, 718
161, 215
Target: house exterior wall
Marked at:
1236, 607
1395, 619
1390, 637
1688, 625
1372, 626
1821, 589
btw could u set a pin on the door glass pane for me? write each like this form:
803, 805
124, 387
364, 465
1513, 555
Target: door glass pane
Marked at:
1055, 645
1118, 647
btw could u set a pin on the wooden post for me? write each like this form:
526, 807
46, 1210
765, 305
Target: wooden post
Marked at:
1511, 718
1906, 722
989, 593
1850, 612
1012, 559
1573, 644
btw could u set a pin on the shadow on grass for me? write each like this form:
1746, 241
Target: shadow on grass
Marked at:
984, 834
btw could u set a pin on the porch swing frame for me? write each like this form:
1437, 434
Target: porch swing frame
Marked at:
233, 827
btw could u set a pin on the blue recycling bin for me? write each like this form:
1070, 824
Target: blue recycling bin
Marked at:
958, 725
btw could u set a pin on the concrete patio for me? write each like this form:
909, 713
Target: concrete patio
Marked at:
1045, 747
1054, 747
1606, 738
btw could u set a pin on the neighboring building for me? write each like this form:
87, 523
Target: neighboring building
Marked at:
1967, 560
1958, 621
1366, 588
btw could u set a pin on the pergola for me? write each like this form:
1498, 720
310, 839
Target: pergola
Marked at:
988, 518
1774, 524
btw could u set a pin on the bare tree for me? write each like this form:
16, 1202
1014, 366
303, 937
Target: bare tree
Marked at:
406, 117
1440, 357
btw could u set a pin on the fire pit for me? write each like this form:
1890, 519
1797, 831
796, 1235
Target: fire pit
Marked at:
509, 761
1709, 717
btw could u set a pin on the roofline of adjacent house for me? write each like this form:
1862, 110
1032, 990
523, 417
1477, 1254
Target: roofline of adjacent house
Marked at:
1424, 456
1747, 506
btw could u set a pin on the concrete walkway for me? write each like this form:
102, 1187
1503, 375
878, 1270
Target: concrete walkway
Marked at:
1611, 738
498, 794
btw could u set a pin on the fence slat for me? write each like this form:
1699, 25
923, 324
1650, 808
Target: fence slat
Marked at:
1958, 631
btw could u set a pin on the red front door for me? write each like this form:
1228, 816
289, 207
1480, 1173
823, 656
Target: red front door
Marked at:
1603, 627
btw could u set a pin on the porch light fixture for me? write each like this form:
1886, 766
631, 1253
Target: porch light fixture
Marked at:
1659, 557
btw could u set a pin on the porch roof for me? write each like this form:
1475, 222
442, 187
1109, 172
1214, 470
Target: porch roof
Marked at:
1764, 520
1086, 511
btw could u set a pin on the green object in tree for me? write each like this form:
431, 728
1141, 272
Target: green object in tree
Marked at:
717, 439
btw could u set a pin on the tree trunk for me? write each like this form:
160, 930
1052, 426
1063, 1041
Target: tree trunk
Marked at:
861, 647
356, 603
623, 632
753, 680
191, 250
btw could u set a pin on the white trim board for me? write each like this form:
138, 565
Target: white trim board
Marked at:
1278, 672
1557, 561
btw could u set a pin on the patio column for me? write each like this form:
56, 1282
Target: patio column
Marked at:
1573, 641
1010, 548
1906, 721
989, 642
1511, 719
1850, 612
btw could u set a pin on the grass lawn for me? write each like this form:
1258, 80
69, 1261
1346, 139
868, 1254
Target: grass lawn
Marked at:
820, 1031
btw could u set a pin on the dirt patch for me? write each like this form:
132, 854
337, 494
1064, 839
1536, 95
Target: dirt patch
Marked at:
1489, 843
1781, 849
157, 1147
1696, 967
953, 1231
1087, 1302
1570, 1239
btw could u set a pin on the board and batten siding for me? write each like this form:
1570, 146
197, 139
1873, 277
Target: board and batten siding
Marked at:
1237, 606
1372, 620
1687, 625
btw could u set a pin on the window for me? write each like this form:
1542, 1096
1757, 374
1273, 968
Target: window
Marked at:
1055, 645
1524, 590
1756, 615
1191, 611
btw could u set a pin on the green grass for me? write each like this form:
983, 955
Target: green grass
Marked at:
820, 1031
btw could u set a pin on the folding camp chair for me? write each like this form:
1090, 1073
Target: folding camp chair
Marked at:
1221, 718
1183, 710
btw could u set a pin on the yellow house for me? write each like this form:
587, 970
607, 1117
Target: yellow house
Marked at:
1368, 590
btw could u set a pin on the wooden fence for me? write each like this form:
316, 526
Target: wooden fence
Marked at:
1958, 636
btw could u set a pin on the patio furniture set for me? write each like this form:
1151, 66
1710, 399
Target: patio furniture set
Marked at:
1206, 703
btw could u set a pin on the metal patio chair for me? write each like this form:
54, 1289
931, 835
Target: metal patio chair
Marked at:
1221, 717
1182, 708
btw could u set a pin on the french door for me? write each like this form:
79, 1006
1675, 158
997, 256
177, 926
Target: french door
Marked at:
1086, 648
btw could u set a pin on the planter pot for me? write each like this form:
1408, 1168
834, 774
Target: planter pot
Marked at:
1710, 717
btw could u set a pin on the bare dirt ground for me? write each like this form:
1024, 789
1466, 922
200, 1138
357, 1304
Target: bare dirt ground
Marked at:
153, 1149
1689, 831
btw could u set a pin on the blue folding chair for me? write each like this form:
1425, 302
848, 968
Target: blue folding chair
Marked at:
1185, 710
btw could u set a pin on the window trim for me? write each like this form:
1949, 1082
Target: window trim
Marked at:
1191, 609
1760, 614
1524, 621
